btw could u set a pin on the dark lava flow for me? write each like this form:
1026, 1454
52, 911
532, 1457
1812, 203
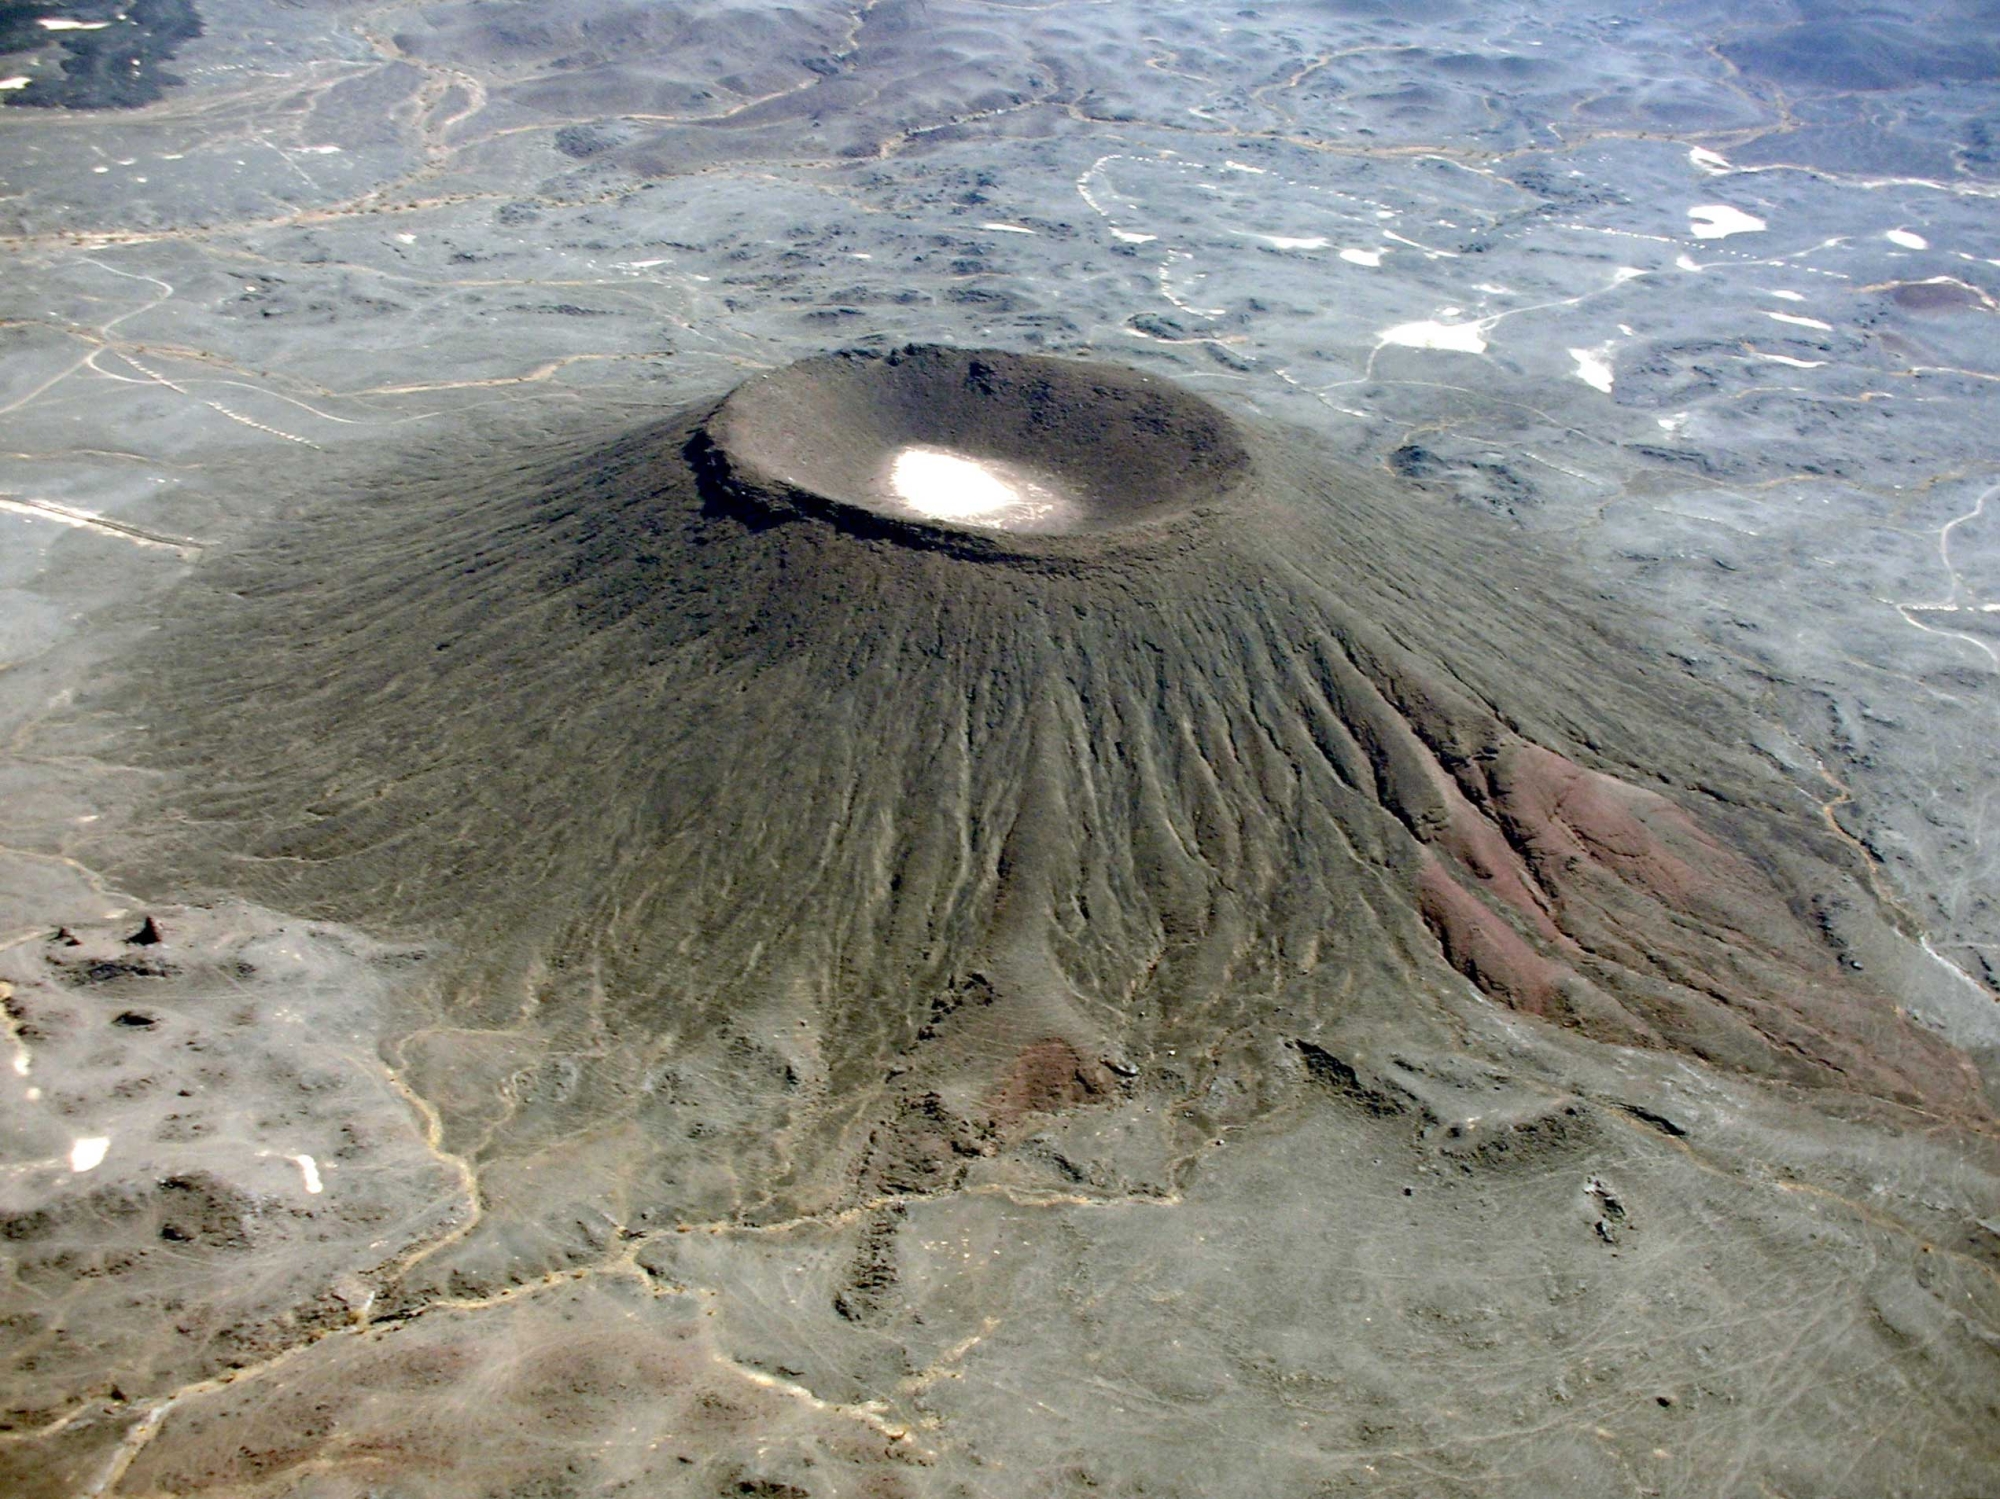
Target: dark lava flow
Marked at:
109, 59
805, 850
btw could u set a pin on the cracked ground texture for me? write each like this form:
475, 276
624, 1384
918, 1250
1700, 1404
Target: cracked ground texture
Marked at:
1675, 321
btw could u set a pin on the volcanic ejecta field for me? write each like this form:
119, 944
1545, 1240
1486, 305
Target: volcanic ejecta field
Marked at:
978, 750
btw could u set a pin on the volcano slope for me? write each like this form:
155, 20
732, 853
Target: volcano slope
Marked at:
858, 838
807, 837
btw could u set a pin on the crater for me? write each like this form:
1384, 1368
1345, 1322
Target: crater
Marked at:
950, 446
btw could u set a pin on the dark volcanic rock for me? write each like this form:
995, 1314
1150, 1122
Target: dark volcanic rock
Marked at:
111, 60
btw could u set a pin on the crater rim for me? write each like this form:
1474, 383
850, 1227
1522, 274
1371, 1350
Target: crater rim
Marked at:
975, 451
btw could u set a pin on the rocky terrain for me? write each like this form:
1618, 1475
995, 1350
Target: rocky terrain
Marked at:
1430, 933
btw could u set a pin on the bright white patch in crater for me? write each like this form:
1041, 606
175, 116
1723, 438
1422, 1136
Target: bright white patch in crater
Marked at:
963, 491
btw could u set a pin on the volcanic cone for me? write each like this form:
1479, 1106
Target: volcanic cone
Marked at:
818, 789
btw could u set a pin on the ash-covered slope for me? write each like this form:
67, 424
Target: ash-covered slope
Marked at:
797, 849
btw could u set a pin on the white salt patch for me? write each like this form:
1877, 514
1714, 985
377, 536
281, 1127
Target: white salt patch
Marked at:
1626, 273
1463, 338
87, 1154
1290, 242
1802, 322
1673, 423
1362, 257
1132, 238
1707, 160
1494, 291
406, 239
62, 23
1786, 296
945, 487
1907, 240
640, 265
1797, 364
1244, 166
309, 1169
1719, 221
1010, 228
83, 520
1593, 368
1429, 252
1686, 262
319, 150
